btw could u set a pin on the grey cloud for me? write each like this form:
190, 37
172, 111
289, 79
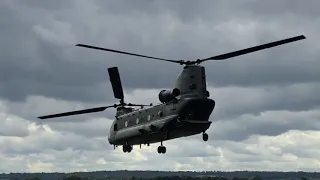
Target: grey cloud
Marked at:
39, 61
49, 5
12, 127
55, 142
239, 112
68, 155
90, 129
186, 147
308, 9
235, 101
269, 123
81, 71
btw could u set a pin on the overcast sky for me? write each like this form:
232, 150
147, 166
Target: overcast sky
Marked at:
267, 115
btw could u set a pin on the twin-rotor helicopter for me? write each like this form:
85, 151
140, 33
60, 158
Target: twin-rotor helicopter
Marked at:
184, 110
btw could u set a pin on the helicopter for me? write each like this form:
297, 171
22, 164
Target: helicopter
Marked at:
184, 110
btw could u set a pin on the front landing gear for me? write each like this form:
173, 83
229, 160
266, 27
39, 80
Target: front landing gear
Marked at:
162, 149
127, 148
205, 137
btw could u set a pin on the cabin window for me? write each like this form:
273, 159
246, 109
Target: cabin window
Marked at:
192, 86
137, 121
149, 117
126, 124
115, 127
160, 113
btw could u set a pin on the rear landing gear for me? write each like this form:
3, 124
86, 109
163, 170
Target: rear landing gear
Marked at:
205, 137
127, 148
162, 149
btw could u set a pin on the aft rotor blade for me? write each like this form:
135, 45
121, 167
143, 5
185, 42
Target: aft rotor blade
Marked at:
255, 48
84, 111
122, 52
116, 82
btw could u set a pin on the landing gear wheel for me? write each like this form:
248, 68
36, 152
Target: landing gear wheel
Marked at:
127, 148
205, 137
162, 149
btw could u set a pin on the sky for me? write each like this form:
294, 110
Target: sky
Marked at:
267, 114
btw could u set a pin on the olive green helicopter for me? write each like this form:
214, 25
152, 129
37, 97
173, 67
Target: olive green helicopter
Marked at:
184, 110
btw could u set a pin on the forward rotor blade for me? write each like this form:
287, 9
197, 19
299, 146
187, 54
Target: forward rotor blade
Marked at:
116, 82
255, 48
84, 111
129, 104
122, 52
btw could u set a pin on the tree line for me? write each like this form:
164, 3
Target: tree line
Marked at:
74, 177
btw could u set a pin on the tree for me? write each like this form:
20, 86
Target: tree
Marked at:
237, 178
73, 177
34, 178
257, 178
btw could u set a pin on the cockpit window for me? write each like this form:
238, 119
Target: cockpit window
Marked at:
115, 127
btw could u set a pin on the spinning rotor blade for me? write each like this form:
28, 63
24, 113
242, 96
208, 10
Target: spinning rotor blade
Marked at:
255, 48
84, 111
129, 104
122, 52
219, 57
116, 82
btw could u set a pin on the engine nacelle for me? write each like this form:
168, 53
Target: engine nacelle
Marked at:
168, 95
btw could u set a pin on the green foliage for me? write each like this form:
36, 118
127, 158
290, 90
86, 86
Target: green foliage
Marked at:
163, 175
194, 178
257, 178
34, 178
238, 178
73, 177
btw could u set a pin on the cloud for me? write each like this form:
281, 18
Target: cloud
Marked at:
267, 123
57, 146
12, 125
267, 108
47, 44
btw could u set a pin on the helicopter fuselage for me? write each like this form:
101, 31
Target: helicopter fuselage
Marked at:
185, 115
180, 118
